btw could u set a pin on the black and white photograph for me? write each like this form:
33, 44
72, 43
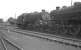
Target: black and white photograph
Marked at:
40, 24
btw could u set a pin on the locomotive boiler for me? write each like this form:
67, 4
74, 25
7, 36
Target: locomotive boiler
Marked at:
26, 19
68, 20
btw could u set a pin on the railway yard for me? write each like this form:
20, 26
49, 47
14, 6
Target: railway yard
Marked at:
59, 29
17, 39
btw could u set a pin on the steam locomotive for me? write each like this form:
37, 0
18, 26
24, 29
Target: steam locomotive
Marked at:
63, 21
68, 19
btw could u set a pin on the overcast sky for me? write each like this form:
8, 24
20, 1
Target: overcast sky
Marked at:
8, 8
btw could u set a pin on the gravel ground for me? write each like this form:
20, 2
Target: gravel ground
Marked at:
34, 43
6, 45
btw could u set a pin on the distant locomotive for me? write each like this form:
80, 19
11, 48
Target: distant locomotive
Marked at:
28, 19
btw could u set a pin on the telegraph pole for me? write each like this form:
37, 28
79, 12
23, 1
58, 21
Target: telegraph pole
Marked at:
71, 2
15, 15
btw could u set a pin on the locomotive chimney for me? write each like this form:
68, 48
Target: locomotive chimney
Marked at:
77, 4
57, 8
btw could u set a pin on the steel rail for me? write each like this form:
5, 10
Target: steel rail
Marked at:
47, 34
51, 39
10, 43
3, 44
4, 39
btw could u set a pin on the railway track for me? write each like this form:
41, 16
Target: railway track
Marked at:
7, 45
2, 45
48, 35
53, 38
62, 40
73, 39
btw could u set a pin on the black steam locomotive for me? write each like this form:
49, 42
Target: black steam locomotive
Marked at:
63, 21
68, 19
